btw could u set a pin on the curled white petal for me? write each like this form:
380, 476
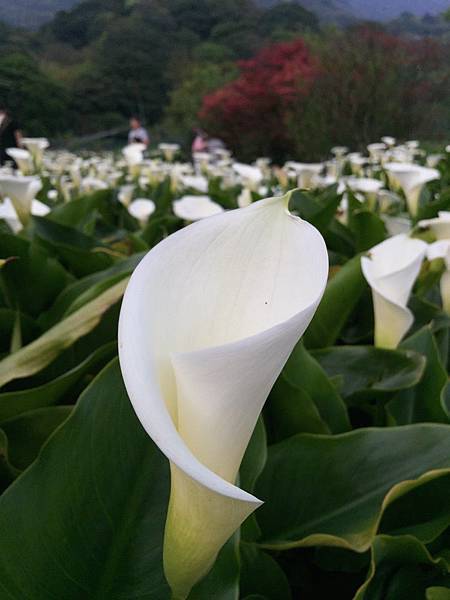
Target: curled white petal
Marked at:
440, 225
391, 270
21, 191
208, 320
411, 178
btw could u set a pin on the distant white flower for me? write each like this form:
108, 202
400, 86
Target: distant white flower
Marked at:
411, 178
141, 209
36, 147
194, 208
195, 182
250, 176
169, 150
21, 191
391, 268
305, 172
23, 159
388, 140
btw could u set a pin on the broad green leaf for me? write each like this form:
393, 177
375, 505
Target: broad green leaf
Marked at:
27, 433
14, 403
368, 229
317, 209
401, 569
341, 296
303, 377
29, 329
424, 402
31, 280
429, 501
7, 472
365, 372
261, 574
86, 520
333, 490
34, 357
80, 253
254, 458
438, 593
87, 287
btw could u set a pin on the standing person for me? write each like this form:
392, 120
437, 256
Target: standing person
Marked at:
137, 134
10, 135
200, 142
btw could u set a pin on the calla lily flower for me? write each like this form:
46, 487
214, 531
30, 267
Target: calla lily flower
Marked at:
306, 172
21, 191
141, 209
391, 269
169, 150
441, 249
9, 214
22, 158
388, 140
250, 176
376, 150
411, 178
195, 182
36, 147
245, 198
440, 226
194, 208
208, 320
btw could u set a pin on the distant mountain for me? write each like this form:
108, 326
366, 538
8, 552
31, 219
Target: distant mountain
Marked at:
385, 10
375, 10
31, 14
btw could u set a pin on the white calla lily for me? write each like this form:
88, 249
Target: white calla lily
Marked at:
440, 225
22, 158
36, 147
306, 172
21, 191
441, 249
391, 269
194, 208
195, 182
141, 209
208, 320
411, 178
169, 150
9, 214
245, 198
250, 176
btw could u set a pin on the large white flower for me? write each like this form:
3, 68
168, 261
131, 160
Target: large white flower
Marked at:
391, 269
21, 191
411, 178
208, 320
194, 208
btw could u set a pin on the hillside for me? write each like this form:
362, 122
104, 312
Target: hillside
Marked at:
31, 14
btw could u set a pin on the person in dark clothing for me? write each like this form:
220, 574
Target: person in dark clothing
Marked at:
10, 136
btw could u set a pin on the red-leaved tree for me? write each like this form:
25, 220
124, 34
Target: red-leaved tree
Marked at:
250, 114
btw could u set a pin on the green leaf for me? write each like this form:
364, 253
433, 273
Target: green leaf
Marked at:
15, 403
34, 357
304, 380
401, 569
438, 593
424, 402
7, 472
80, 253
319, 210
31, 280
366, 373
86, 520
261, 574
368, 228
27, 433
254, 458
341, 296
333, 490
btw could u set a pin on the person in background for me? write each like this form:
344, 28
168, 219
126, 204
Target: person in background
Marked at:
10, 135
200, 143
137, 134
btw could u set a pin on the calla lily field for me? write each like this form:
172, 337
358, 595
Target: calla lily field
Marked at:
223, 380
